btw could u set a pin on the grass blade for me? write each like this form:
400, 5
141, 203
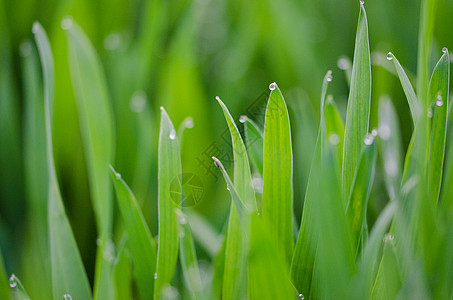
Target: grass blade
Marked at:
122, 273
96, 123
407, 88
335, 133
358, 111
360, 191
204, 233
17, 289
278, 172
235, 252
254, 139
390, 146
438, 90
168, 170
4, 289
140, 242
68, 273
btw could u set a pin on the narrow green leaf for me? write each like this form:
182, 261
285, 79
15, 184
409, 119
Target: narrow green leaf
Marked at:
335, 133
360, 191
17, 289
96, 124
235, 254
4, 289
204, 233
278, 172
140, 242
439, 92
169, 169
414, 105
358, 112
122, 274
390, 146
68, 273
254, 139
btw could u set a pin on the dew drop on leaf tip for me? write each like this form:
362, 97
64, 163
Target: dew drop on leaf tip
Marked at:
12, 281
118, 175
242, 119
172, 134
369, 138
67, 297
329, 76
439, 101
155, 275
66, 23
390, 56
272, 86
362, 2
444, 49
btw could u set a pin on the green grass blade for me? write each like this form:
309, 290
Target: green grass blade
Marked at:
96, 124
302, 264
168, 170
254, 139
390, 146
358, 111
407, 88
140, 242
68, 273
360, 191
122, 273
335, 133
268, 276
278, 172
4, 289
36, 178
439, 92
17, 289
204, 233
235, 250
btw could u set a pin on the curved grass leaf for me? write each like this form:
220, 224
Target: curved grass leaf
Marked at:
390, 146
4, 289
302, 264
68, 273
278, 172
169, 169
204, 233
254, 139
18, 291
140, 242
438, 90
122, 274
36, 179
235, 254
407, 88
96, 123
360, 191
358, 111
335, 133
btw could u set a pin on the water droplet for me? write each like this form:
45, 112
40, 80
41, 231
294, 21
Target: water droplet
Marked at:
385, 131
369, 138
362, 2
67, 297
181, 216
35, 28
242, 119
189, 122
162, 108
228, 188
388, 237
138, 101
67, 22
439, 101
112, 41
343, 63
301, 296
118, 175
155, 275
12, 281
334, 139
272, 86
257, 183
170, 292
172, 134
444, 49
374, 132
430, 112
390, 56
329, 76
390, 167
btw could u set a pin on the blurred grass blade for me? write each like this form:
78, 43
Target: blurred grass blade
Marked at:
278, 172
169, 169
414, 105
439, 91
302, 264
335, 133
235, 249
17, 289
96, 124
254, 140
204, 233
122, 274
267, 264
36, 178
68, 273
358, 111
140, 242
4, 289
390, 146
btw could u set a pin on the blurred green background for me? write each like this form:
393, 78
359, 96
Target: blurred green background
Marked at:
180, 55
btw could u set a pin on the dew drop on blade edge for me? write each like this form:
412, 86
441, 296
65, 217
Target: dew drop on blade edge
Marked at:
444, 49
172, 134
272, 86
390, 56
67, 297
12, 281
